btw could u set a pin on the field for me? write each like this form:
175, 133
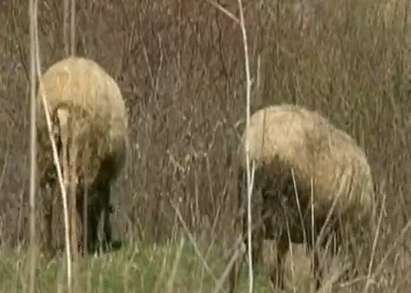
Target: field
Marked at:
169, 267
180, 67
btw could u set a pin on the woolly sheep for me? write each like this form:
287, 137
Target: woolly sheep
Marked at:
299, 154
90, 128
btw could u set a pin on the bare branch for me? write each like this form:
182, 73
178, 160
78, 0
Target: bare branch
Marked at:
33, 145
250, 175
223, 10
73, 28
57, 165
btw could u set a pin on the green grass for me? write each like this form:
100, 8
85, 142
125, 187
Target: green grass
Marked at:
134, 268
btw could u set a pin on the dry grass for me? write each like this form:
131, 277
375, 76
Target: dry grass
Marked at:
182, 75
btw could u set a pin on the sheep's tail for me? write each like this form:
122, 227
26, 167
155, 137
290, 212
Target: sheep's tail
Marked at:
62, 117
61, 133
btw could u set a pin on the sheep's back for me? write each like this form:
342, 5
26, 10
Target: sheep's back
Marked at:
78, 83
288, 137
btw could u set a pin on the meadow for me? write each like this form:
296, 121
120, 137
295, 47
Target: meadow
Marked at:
180, 67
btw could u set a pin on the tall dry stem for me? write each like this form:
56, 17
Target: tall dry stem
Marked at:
59, 173
73, 28
33, 143
66, 4
250, 174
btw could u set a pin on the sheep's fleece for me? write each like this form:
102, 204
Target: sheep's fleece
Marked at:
82, 86
326, 163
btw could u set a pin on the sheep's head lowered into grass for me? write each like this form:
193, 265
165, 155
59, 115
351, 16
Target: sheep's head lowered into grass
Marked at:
89, 124
309, 174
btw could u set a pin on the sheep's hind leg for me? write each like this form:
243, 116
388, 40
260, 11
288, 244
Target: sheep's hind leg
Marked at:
82, 209
99, 207
107, 210
93, 214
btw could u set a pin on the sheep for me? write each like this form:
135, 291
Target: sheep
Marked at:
302, 163
90, 124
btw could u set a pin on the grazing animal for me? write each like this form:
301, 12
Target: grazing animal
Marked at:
89, 124
308, 175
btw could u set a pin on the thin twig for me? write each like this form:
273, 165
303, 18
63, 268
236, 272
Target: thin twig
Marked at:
374, 246
66, 26
33, 146
250, 176
224, 10
177, 259
234, 257
192, 240
59, 175
394, 245
73, 28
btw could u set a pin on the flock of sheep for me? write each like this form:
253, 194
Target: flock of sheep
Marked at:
312, 181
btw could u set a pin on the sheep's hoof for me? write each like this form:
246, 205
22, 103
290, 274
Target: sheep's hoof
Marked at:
116, 245
107, 247
111, 246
